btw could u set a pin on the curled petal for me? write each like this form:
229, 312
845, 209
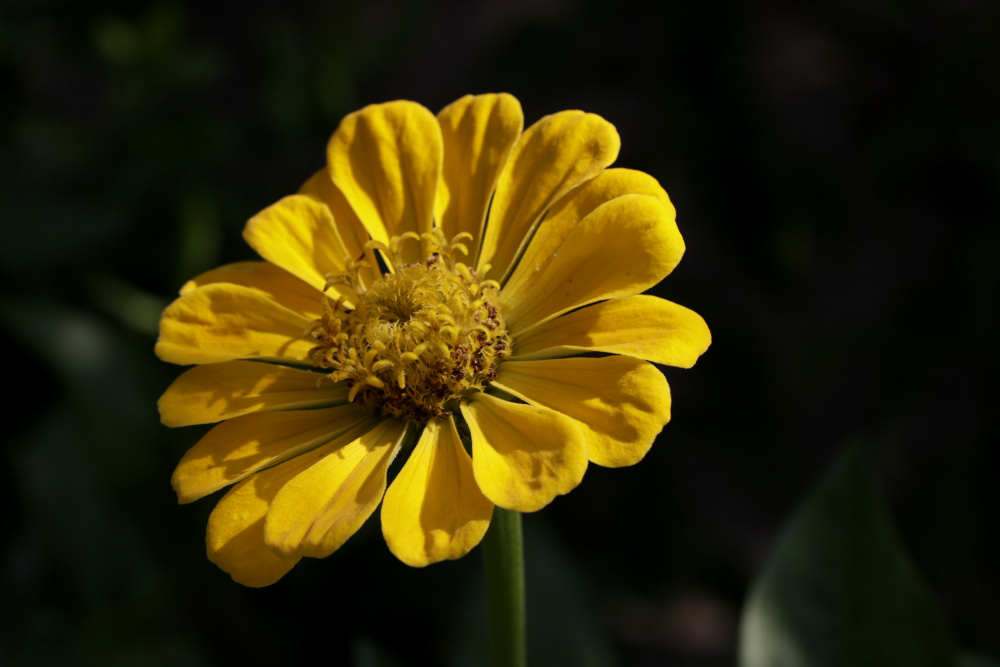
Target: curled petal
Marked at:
222, 322
321, 188
620, 403
274, 282
299, 235
523, 456
235, 536
242, 446
552, 157
386, 160
623, 247
479, 132
315, 513
434, 510
567, 213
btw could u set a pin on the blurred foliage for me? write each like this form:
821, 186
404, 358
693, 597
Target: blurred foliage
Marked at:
839, 590
835, 166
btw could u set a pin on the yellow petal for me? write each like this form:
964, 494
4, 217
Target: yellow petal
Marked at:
523, 456
553, 156
222, 322
235, 537
317, 511
298, 234
386, 160
320, 187
641, 326
243, 445
567, 213
434, 510
214, 392
274, 282
620, 403
479, 132
622, 248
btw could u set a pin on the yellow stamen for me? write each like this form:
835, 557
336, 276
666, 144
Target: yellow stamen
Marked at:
416, 338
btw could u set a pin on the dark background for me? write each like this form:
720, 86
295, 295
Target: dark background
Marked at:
835, 166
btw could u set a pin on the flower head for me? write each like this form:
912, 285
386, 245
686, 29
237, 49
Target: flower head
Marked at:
425, 295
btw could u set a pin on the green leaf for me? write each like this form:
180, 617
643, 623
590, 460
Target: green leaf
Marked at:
840, 591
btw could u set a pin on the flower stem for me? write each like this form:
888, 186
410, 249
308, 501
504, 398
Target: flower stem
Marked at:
503, 557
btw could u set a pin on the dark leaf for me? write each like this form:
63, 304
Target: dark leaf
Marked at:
840, 591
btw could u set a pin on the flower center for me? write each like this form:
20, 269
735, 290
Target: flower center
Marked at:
416, 338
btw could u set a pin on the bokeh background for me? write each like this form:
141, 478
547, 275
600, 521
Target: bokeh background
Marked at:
835, 166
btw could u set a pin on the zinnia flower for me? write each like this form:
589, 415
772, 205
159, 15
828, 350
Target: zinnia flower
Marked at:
428, 288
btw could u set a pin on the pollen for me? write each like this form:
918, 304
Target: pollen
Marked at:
413, 340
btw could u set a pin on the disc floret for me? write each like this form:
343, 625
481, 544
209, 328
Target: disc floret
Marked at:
415, 339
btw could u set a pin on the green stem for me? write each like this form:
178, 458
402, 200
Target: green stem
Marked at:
503, 557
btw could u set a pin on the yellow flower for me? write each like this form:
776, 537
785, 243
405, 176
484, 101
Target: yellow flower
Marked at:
436, 278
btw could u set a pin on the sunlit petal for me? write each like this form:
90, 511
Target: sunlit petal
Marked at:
243, 445
552, 157
386, 160
640, 326
319, 509
214, 392
523, 456
623, 247
434, 510
222, 322
620, 403
479, 132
